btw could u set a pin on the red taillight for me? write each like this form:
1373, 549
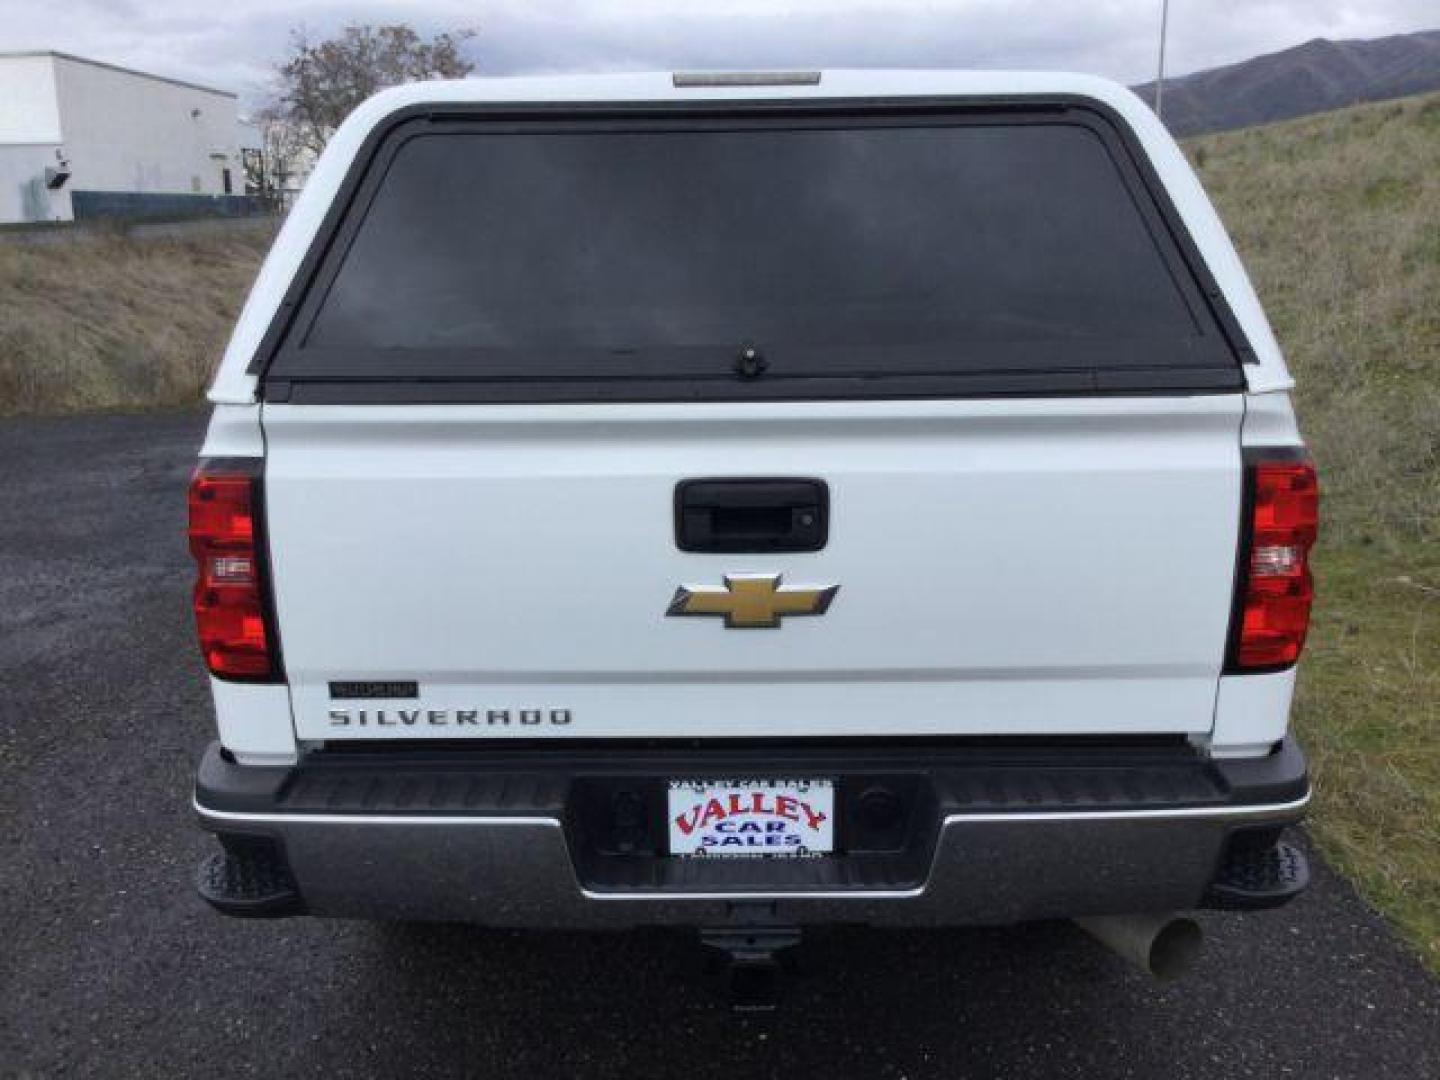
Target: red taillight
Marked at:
1274, 609
230, 606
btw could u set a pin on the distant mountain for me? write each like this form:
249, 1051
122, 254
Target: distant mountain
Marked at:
1310, 78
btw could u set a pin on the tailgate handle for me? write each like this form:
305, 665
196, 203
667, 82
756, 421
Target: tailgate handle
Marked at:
752, 515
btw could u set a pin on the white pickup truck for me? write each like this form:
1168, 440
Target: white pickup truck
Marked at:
747, 501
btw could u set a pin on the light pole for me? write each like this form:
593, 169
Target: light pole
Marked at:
1160, 75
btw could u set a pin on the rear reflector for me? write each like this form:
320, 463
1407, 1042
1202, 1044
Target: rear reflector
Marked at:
1275, 587
231, 607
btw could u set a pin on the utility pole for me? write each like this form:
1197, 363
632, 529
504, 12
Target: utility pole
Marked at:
1160, 75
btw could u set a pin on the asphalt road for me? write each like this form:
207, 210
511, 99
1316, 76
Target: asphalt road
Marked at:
109, 965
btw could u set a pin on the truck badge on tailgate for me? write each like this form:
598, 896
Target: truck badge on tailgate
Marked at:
751, 600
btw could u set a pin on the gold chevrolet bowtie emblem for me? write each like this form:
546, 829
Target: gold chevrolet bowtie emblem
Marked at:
751, 600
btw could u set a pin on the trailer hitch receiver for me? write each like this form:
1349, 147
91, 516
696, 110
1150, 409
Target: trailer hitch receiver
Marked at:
751, 959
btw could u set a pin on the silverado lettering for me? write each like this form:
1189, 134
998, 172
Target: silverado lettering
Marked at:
447, 717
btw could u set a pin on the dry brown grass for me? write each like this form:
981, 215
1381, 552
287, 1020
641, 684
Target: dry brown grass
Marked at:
106, 322
1338, 220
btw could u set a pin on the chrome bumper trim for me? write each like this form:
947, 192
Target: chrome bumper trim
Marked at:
1259, 811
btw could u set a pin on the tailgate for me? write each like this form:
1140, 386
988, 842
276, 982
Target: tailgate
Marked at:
1000, 567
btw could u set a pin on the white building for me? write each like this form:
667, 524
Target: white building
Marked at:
80, 139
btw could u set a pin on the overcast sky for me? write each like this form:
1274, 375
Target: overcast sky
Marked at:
233, 44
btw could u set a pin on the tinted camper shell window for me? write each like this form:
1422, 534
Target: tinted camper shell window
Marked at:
644, 254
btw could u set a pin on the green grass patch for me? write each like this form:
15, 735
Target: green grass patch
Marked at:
1338, 220
1368, 712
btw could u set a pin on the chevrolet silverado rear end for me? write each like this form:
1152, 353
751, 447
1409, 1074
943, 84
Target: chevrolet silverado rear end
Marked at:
859, 497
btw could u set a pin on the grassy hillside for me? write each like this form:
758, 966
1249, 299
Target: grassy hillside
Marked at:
105, 322
1338, 219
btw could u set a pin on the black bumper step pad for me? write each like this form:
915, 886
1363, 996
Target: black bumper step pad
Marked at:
1251, 879
249, 878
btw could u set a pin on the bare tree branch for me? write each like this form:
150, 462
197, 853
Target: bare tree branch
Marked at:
321, 82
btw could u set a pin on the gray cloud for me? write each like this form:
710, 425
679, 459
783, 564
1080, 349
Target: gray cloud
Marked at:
234, 45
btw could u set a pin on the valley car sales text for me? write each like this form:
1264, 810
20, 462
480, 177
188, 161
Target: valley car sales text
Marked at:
733, 823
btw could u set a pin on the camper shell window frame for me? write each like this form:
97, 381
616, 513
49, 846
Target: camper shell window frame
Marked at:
708, 373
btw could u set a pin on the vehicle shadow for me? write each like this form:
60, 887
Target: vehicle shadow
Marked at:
1316, 988
1006, 1002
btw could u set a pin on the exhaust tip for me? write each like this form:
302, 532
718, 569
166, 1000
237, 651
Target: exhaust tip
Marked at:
1175, 949
1166, 946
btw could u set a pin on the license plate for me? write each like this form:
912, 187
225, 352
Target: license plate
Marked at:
748, 818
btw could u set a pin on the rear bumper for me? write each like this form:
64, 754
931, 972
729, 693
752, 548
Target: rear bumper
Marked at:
984, 836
